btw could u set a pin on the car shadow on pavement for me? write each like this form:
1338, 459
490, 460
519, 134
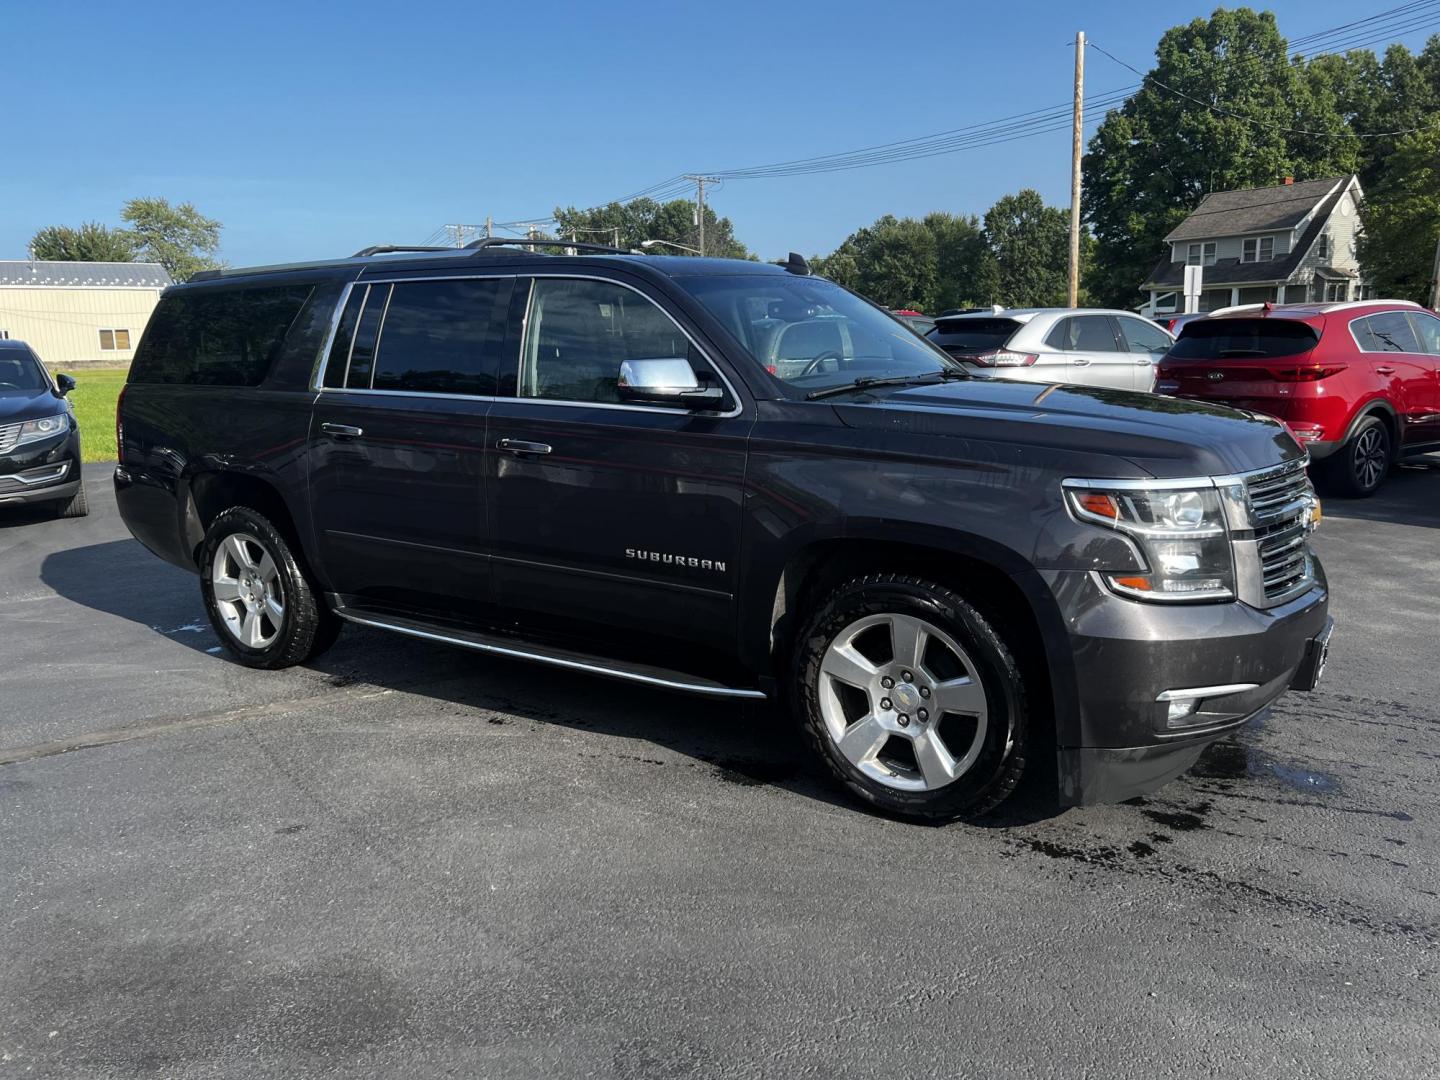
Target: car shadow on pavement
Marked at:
121, 578
748, 744
1409, 496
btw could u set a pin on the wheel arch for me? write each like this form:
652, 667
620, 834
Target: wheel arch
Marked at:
209, 493
1381, 408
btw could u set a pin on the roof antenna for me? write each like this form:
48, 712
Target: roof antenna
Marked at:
796, 264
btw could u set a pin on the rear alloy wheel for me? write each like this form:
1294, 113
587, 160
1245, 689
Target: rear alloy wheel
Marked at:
259, 601
911, 699
1359, 467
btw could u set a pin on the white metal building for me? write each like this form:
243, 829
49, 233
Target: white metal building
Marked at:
79, 312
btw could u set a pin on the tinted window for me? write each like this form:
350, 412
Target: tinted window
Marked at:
1427, 329
339, 357
215, 337
1392, 333
1240, 339
1142, 337
1083, 333
580, 332
438, 337
19, 370
973, 335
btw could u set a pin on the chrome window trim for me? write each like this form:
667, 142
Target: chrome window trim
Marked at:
318, 379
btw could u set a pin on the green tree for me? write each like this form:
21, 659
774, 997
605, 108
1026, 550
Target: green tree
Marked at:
91, 242
938, 262
179, 238
1212, 115
1030, 245
1402, 219
645, 219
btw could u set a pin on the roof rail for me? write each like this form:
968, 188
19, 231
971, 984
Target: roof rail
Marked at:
385, 249
517, 241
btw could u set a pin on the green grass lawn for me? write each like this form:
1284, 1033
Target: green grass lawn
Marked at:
95, 394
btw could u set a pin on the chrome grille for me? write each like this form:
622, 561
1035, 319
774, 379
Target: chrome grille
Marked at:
1279, 502
9, 435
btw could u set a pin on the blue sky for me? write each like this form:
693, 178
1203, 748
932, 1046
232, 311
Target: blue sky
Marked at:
311, 130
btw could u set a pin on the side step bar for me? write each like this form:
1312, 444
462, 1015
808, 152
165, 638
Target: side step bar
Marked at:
593, 665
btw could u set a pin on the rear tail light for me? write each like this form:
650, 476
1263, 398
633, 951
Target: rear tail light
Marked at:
120, 426
1306, 372
1004, 358
1304, 432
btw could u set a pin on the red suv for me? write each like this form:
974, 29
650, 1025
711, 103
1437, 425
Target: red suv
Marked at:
1358, 383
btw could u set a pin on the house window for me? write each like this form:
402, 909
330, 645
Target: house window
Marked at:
1322, 247
1337, 291
1258, 249
4, 335
115, 340
1201, 254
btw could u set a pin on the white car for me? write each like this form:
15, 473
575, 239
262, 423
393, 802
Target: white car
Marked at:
1092, 346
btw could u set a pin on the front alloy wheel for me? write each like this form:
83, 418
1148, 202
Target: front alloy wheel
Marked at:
901, 702
911, 698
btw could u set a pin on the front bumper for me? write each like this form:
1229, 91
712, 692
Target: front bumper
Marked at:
40, 474
1132, 659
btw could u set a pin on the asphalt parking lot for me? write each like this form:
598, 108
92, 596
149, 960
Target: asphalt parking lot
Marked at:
411, 861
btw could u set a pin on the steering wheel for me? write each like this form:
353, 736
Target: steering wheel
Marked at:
813, 367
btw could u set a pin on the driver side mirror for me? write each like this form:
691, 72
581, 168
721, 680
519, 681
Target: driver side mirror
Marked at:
64, 383
666, 381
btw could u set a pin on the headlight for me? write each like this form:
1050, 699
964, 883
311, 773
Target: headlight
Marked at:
44, 428
1180, 532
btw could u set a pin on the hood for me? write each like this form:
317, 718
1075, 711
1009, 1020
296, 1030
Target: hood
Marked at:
1161, 436
18, 405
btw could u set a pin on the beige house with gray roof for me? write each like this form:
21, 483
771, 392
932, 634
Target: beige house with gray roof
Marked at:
1294, 242
78, 312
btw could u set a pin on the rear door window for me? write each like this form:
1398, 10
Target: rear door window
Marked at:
1083, 333
217, 337
1392, 333
440, 337
1243, 339
973, 336
1427, 329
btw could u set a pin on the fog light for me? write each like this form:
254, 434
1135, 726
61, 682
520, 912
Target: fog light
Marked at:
1180, 709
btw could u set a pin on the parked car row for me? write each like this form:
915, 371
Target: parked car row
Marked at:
1357, 383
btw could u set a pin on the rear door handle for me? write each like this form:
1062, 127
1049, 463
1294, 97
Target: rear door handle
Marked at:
1080, 361
520, 446
342, 431
1385, 370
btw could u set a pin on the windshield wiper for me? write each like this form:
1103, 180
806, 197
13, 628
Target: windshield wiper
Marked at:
866, 382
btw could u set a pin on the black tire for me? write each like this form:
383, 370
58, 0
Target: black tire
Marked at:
306, 629
1358, 468
1000, 764
74, 507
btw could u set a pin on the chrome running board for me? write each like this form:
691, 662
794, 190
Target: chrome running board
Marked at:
658, 677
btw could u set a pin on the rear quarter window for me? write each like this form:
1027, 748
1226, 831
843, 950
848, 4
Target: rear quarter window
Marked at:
1241, 339
217, 337
973, 335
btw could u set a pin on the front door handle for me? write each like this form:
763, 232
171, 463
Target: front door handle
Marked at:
342, 431
520, 446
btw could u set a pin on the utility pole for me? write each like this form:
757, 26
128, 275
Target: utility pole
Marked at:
489, 226
459, 232
1074, 291
700, 182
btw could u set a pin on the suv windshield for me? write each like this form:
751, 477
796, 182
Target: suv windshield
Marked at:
813, 334
1243, 339
20, 371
